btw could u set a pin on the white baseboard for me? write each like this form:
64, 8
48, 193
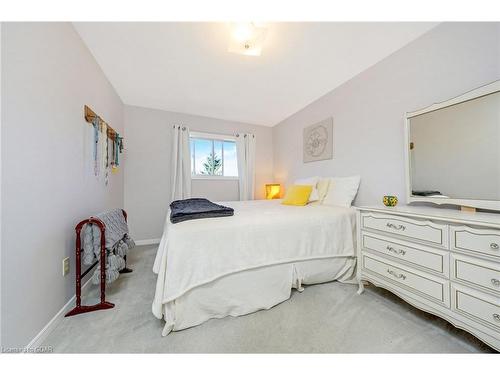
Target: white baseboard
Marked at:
152, 241
50, 326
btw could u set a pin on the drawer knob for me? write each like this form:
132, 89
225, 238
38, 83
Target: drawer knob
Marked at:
394, 226
496, 317
495, 282
494, 246
396, 275
398, 251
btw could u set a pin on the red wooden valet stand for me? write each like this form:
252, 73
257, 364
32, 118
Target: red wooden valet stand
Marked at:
103, 304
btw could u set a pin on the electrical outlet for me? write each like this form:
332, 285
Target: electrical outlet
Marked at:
65, 264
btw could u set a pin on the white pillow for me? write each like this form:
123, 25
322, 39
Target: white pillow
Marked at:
322, 186
342, 191
313, 181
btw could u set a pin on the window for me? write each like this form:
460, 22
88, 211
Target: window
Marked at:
213, 156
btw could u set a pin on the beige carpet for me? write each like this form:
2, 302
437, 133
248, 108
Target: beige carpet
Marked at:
326, 318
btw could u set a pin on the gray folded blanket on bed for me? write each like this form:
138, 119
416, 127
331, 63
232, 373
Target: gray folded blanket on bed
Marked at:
197, 208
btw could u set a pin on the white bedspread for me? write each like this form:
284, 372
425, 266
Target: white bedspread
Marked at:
261, 233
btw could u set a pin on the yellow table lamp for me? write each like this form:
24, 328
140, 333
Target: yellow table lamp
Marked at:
273, 191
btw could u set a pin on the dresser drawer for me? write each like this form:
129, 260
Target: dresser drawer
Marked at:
476, 272
484, 308
427, 258
414, 281
485, 241
421, 230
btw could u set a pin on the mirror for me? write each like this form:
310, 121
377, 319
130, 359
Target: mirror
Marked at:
453, 150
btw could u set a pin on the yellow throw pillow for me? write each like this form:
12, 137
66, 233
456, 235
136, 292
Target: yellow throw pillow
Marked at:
297, 195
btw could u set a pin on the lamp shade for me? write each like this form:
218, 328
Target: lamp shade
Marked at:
273, 191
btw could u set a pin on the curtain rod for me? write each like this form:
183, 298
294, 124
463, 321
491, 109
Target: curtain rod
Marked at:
90, 116
179, 126
236, 135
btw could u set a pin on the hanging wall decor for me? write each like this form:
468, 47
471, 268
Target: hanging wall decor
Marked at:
107, 145
318, 141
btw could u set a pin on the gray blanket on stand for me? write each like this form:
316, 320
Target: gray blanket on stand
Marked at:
118, 243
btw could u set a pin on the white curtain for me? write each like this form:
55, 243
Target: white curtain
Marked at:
245, 147
181, 163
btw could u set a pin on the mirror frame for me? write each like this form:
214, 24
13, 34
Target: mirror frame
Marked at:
474, 203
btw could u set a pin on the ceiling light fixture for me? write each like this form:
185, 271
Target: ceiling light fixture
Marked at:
247, 39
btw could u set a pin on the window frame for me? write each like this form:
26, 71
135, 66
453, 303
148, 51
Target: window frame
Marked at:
213, 137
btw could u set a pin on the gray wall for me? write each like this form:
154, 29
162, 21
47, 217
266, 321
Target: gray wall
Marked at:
148, 156
47, 76
369, 110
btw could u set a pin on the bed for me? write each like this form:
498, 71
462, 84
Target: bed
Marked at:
231, 266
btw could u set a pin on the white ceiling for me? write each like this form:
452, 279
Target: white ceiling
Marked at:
185, 67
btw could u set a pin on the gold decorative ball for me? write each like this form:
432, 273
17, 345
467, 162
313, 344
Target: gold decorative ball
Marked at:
390, 200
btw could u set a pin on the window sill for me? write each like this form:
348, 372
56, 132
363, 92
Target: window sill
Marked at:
220, 178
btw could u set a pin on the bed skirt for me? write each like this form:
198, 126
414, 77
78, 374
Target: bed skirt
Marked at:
249, 291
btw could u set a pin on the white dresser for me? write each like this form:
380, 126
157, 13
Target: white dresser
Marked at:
445, 262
